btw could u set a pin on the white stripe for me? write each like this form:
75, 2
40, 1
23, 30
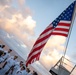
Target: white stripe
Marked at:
64, 27
45, 34
34, 53
63, 32
41, 43
65, 21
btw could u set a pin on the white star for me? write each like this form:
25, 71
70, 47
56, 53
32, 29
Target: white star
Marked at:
71, 5
70, 10
67, 16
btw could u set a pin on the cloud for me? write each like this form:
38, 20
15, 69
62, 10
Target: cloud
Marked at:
56, 42
50, 59
17, 21
21, 2
53, 51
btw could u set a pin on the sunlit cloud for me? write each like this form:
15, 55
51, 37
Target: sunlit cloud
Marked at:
53, 51
21, 2
17, 22
56, 42
50, 60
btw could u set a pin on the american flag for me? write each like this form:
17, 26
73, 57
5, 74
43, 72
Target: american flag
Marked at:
60, 26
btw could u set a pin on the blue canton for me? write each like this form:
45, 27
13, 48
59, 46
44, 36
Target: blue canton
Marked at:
66, 15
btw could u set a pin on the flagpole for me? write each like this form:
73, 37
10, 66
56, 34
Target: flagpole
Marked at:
72, 22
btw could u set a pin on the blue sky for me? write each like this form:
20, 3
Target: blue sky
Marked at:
24, 20
44, 12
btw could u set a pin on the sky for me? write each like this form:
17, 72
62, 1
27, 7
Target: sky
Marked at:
22, 21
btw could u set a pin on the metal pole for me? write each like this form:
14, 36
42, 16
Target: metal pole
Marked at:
72, 22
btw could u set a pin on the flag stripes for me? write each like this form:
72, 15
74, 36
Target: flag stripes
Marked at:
61, 29
60, 26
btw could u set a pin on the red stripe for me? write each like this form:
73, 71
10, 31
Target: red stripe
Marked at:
33, 57
64, 24
42, 39
61, 34
37, 42
36, 49
62, 29
46, 30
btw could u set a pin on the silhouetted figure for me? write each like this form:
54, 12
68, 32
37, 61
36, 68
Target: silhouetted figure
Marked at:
1, 47
35, 73
7, 54
1, 52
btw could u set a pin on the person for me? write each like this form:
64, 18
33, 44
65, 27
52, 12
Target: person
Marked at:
7, 54
1, 57
8, 64
28, 70
1, 47
1, 53
17, 66
34, 73
21, 71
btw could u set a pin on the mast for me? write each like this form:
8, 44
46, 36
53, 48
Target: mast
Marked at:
70, 30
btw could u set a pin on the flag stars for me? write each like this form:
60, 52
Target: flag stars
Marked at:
54, 26
69, 18
65, 15
61, 15
63, 12
65, 18
54, 22
57, 20
69, 14
70, 10
71, 6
